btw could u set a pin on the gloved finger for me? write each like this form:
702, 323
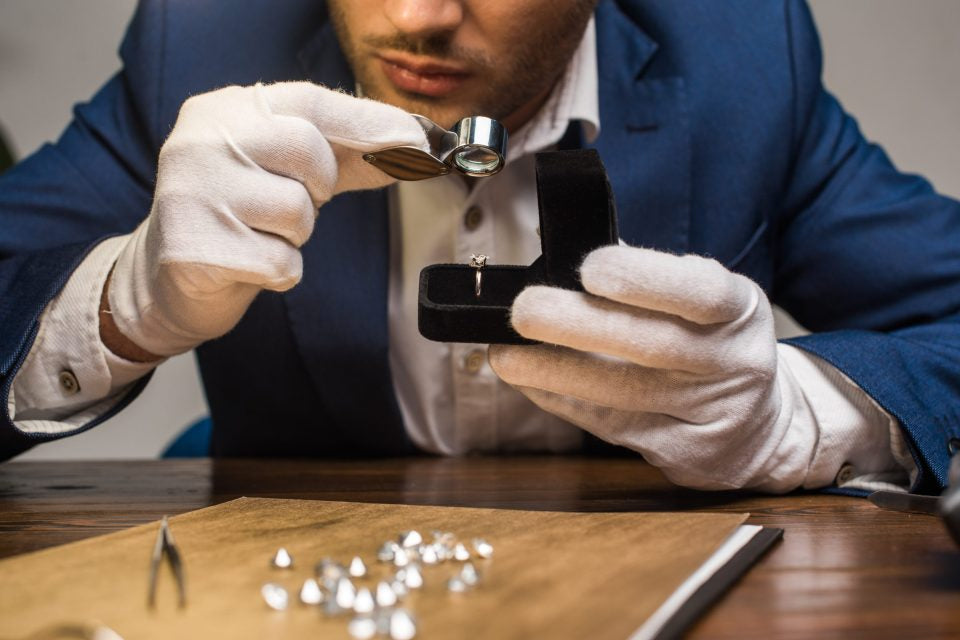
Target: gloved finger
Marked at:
202, 261
357, 123
622, 428
605, 381
648, 338
688, 455
293, 148
276, 205
692, 287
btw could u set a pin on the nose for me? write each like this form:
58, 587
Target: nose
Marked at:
424, 17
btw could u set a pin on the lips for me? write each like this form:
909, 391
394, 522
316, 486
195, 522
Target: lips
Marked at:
425, 77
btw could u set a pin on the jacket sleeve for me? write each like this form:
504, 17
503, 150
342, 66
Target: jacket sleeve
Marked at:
868, 259
56, 205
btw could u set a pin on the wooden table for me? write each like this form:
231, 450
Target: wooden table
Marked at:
843, 568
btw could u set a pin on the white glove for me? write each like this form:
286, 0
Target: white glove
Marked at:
674, 357
239, 183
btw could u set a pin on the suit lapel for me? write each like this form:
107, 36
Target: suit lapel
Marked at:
644, 134
338, 313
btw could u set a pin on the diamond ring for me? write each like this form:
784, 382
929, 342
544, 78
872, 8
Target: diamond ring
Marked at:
478, 262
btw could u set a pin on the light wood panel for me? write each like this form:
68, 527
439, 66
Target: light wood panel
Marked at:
552, 575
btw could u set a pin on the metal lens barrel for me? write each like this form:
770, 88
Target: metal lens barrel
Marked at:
481, 146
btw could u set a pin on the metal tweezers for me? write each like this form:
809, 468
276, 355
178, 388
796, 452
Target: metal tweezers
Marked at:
166, 547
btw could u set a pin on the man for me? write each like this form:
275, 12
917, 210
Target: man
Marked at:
719, 141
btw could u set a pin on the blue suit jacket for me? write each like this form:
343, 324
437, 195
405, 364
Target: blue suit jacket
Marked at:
718, 137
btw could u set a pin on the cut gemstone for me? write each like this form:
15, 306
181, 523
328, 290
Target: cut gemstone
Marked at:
275, 596
478, 261
401, 558
461, 553
413, 578
386, 596
483, 548
310, 592
410, 539
387, 551
399, 588
469, 574
428, 554
362, 627
329, 573
402, 625
357, 568
281, 559
363, 602
345, 593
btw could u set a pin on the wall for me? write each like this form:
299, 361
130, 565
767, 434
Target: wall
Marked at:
892, 63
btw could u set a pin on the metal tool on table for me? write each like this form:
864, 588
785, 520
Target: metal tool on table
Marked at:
476, 147
947, 505
165, 547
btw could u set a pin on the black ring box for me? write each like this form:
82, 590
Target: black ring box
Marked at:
577, 215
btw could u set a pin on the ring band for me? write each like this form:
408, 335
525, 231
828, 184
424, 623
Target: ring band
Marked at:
478, 262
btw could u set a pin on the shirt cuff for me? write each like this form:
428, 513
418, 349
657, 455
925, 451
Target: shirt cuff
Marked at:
860, 446
69, 376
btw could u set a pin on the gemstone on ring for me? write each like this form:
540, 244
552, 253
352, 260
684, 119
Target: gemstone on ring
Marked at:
478, 262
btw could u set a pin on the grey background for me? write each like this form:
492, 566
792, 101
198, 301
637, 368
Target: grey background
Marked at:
893, 63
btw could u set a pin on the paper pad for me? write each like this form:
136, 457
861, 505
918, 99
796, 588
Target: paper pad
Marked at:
553, 575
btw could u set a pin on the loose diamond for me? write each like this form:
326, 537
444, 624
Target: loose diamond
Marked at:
469, 575
428, 554
310, 592
461, 553
456, 585
363, 602
413, 578
387, 551
444, 537
402, 625
483, 548
362, 627
357, 568
275, 596
345, 593
282, 559
399, 588
411, 539
386, 596
401, 558
329, 573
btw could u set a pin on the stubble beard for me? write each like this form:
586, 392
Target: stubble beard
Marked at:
534, 65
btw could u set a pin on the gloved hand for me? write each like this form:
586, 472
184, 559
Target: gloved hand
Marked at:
674, 357
239, 183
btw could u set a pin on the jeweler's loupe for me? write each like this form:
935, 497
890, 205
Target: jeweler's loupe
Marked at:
476, 147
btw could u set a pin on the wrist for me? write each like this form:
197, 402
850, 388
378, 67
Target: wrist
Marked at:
111, 336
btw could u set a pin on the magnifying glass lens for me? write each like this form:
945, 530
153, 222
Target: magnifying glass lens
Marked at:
473, 159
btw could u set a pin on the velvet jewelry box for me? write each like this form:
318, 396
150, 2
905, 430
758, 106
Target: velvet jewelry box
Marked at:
577, 215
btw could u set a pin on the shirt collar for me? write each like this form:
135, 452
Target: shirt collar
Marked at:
574, 98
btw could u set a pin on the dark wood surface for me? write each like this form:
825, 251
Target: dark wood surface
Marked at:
844, 567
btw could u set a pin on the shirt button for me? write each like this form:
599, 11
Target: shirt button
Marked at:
473, 361
68, 382
473, 218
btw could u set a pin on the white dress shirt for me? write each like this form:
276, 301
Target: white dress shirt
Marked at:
451, 401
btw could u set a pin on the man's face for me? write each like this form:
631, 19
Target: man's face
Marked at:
448, 59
